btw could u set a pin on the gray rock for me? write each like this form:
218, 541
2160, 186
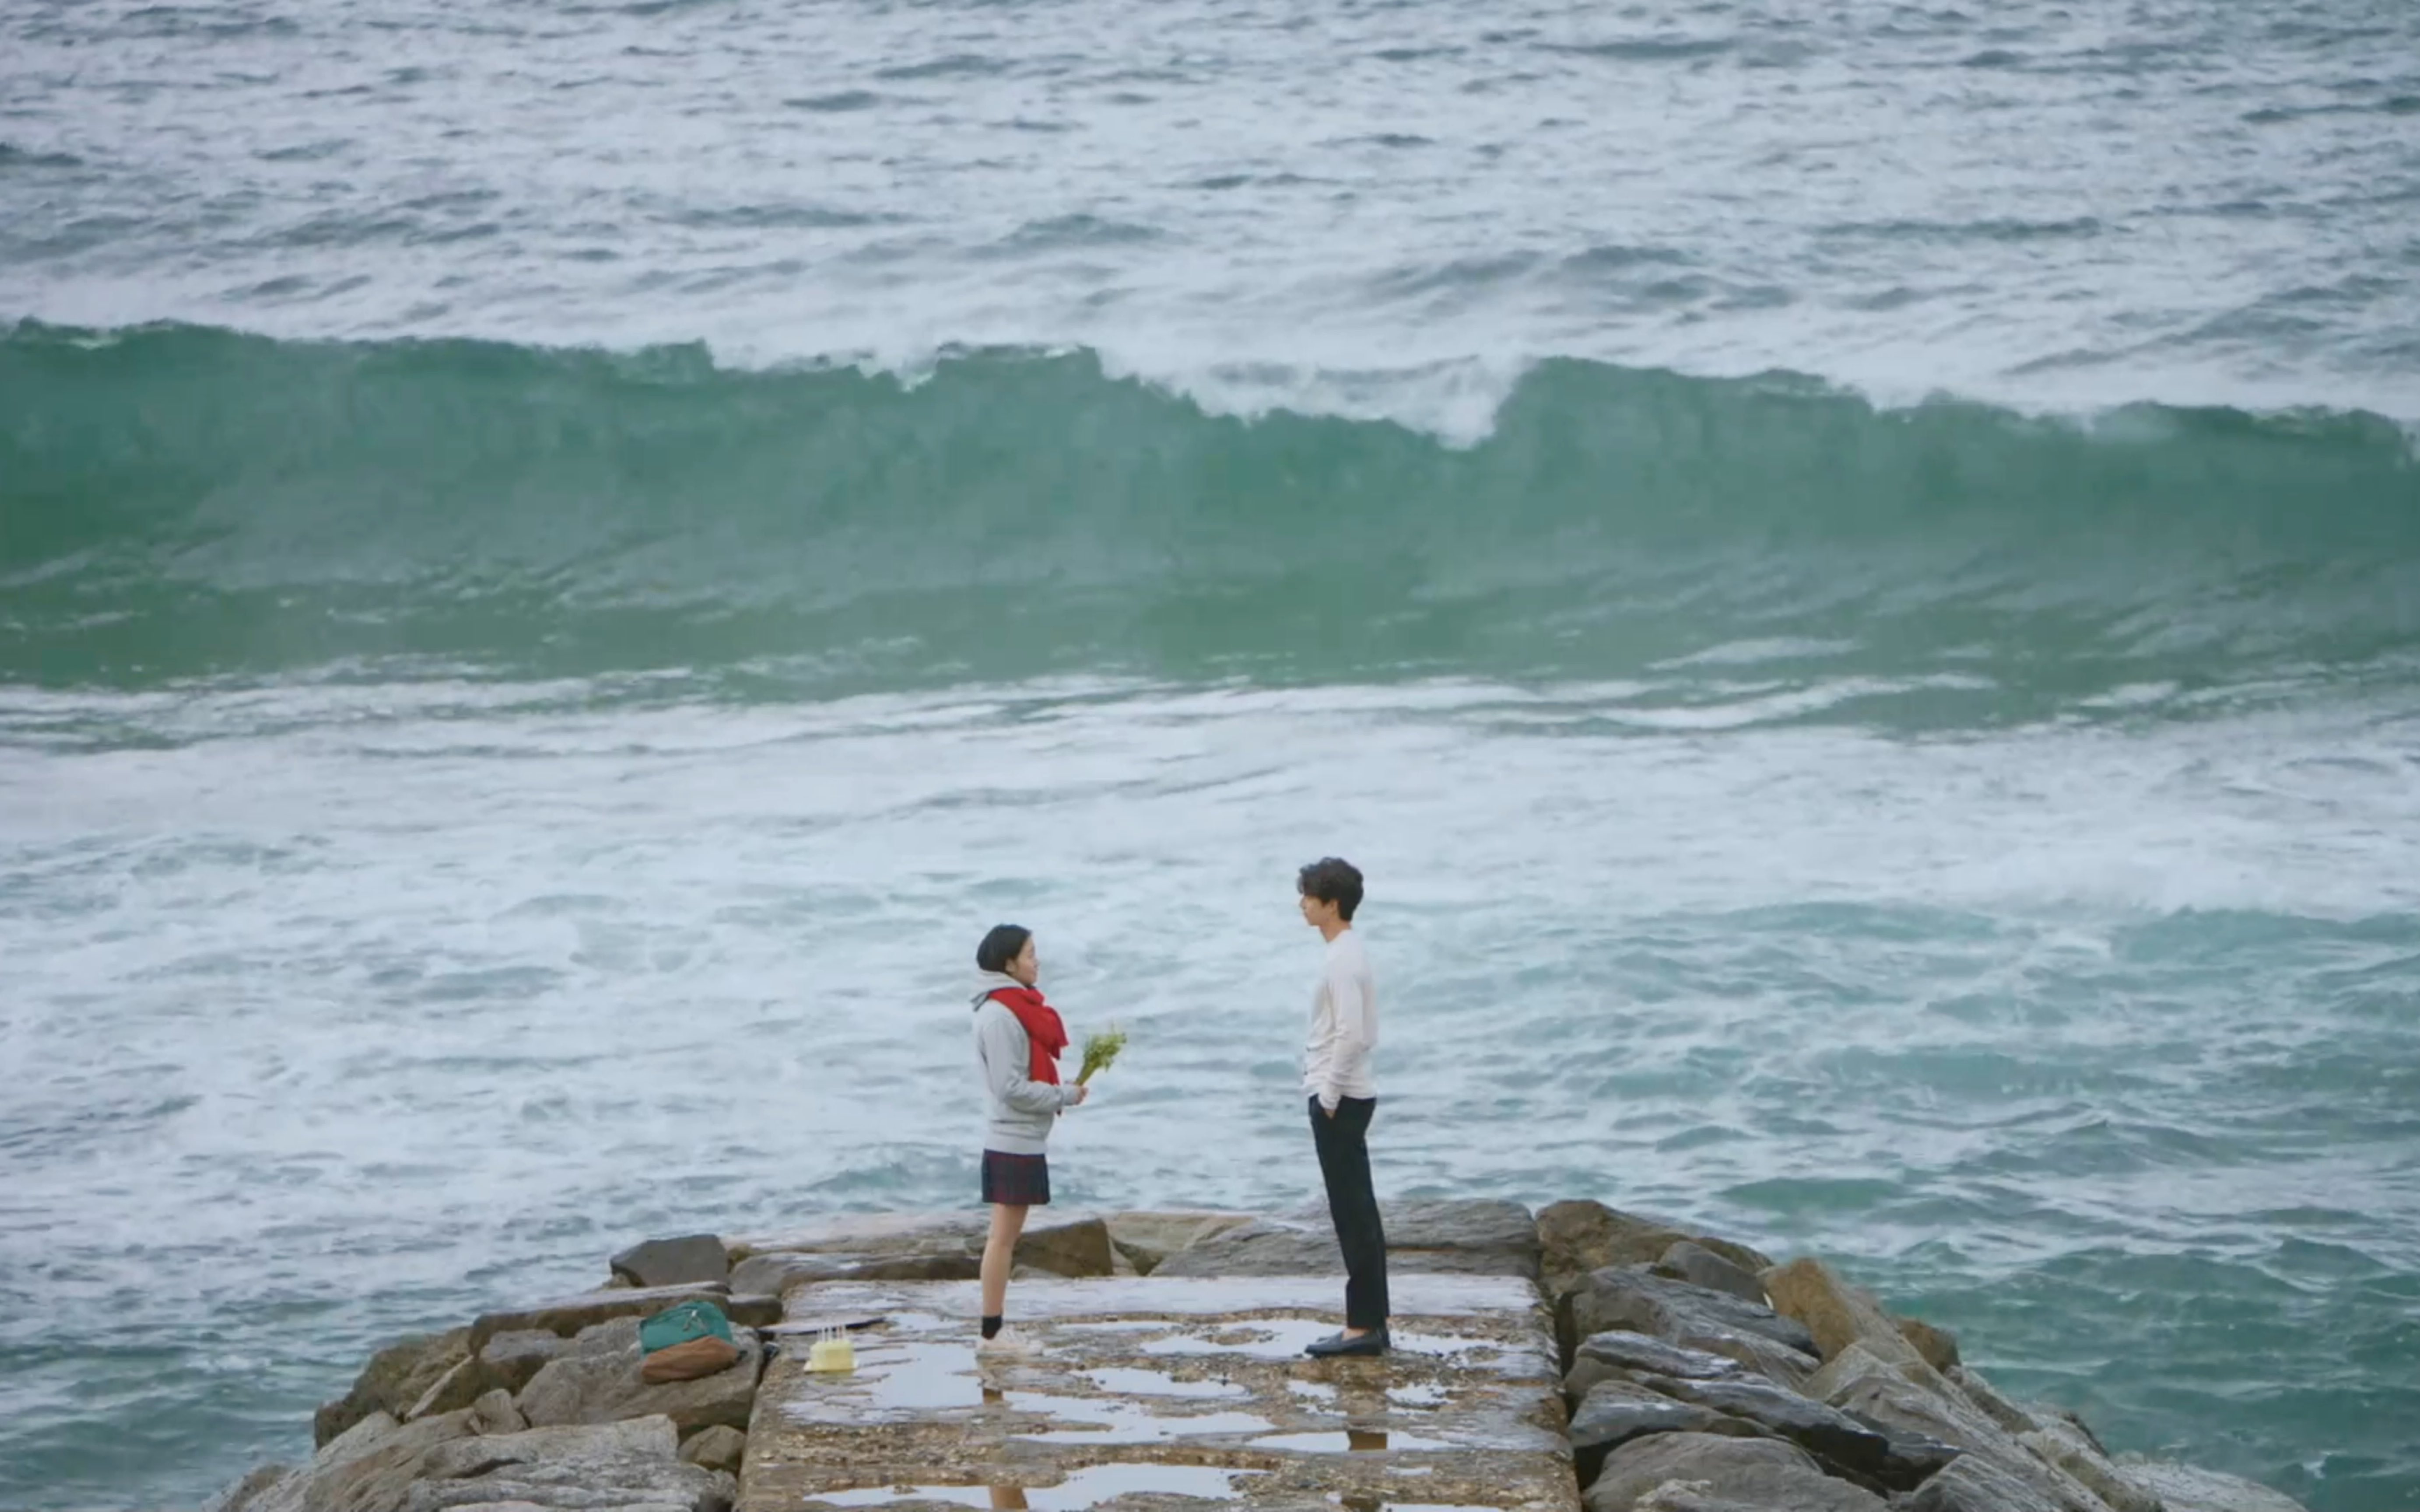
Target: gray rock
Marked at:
2008, 1414
241, 1495
2072, 1419
1914, 1458
2073, 1448
1621, 1354
1682, 1496
1937, 1346
1576, 1239
715, 1449
392, 1382
368, 1468
1823, 1431
675, 1263
2184, 1488
618, 1465
495, 1413
1755, 1472
452, 1392
761, 1310
1465, 1238
1845, 1367
1974, 1484
596, 1380
566, 1316
1636, 1298
1145, 1240
1904, 1406
509, 1360
1702, 1267
776, 1272
1836, 1314
1074, 1244
1617, 1412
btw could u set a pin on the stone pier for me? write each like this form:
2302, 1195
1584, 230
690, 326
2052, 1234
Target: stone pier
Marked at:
1149, 1392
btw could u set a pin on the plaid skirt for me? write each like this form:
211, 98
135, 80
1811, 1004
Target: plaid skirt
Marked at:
1016, 1180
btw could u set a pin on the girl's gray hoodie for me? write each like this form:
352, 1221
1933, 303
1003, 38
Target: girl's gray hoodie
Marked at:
1022, 1109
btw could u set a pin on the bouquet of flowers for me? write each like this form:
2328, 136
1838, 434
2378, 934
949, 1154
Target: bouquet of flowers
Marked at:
1099, 1050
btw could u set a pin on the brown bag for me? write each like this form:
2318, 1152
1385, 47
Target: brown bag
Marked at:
688, 1362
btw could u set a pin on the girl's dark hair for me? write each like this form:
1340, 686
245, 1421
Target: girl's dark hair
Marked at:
1332, 880
1002, 945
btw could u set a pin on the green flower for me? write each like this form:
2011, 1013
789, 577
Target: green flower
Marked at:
1099, 1050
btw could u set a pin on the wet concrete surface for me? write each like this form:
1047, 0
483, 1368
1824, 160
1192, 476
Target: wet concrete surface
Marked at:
1175, 1393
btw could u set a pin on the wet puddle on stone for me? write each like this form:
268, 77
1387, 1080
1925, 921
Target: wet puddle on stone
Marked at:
1352, 1441
1277, 1339
1092, 1419
1442, 1344
1082, 1488
1135, 1383
892, 1379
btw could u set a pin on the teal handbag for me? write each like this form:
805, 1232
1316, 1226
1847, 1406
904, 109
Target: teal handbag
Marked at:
684, 1325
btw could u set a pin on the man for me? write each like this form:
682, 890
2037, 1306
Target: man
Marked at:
1336, 1074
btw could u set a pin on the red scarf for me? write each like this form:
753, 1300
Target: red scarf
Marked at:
1043, 1029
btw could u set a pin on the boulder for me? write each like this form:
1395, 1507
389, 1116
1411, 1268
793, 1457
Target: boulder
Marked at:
1836, 1313
1702, 1267
616, 1465
1932, 1408
452, 1392
568, 1316
241, 1496
1749, 1472
1846, 1367
1074, 1244
2047, 1412
1617, 1412
2184, 1488
761, 1310
2072, 1448
2001, 1411
1463, 1237
775, 1274
1974, 1484
1146, 1240
1578, 1238
495, 1413
1696, 1317
1938, 1347
673, 1262
368, 1468
1071, 1244
596, 1380
508, 1360
1822, 1431
392, 1382
1914, 1458
1428, 1236
716, 1448
1621, 1354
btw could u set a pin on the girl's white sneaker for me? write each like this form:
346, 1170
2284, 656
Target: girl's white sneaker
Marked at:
1008, 1344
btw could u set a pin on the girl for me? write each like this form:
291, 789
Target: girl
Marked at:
1017, 1040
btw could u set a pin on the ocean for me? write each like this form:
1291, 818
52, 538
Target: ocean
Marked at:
1850, 572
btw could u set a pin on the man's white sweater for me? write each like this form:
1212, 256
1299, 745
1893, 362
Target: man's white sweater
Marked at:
1343, 1025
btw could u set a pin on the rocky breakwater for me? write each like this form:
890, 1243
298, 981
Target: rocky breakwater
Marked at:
1576, 1357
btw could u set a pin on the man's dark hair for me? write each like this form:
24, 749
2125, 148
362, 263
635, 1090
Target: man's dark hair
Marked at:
1002, 945
1332, 881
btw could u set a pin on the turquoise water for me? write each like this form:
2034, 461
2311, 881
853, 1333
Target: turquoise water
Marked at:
1852, 577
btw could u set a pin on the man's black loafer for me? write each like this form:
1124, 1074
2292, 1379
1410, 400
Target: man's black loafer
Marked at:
1336, 1346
